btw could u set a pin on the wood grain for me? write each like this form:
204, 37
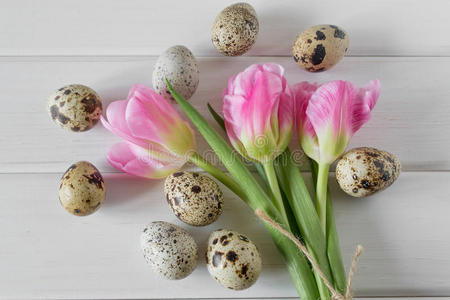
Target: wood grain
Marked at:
140, 27
47, 253
410, 119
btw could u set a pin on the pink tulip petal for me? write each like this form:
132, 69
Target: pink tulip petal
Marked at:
119, 133
331, 107
274, 68
285, 110
146, 117
134, 160
243, 82
366, 99
115, 113
262, 104
303, 92
149, 116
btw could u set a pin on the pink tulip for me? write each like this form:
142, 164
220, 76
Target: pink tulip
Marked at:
329, 115
258, 110
157, 141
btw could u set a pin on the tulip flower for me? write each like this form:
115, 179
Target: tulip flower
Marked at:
258, 107
157, 142
327, 117
258, 110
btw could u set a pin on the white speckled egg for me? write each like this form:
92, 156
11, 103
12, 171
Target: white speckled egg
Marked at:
364, 171
170, 250
179, 66
235, 29
320, 47
82, 189
75, 107
232, 259
194, 198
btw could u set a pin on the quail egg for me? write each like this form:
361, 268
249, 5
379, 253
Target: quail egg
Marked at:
232, 259
194, 198
364, 171
75, 107
170, 250
179, 66
82, 189
320, 47
235, 29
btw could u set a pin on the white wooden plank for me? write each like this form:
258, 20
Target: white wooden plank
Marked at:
410, 119
47, 253
140, 27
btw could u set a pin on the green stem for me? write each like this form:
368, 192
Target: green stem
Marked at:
321, 195
299, 270
218, 174
333, 246
293, 186
275, 188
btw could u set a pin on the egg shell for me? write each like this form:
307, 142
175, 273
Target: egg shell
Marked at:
75, 107
320, 47
170, 250
364, 171
235, 29
179, 66
194, 198
82, 189
232, 259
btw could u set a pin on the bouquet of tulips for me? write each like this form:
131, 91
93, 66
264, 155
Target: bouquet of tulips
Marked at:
260, 114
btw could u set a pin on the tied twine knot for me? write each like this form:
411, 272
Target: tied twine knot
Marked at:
335, 295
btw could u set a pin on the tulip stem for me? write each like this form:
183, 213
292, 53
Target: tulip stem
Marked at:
321, 194
275, 189
198, 160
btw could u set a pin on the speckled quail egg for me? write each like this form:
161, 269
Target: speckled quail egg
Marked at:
232, 259
320, 47
75, 107
82, 189
364, 171
170, 250
194, 198
235, 29
179, 66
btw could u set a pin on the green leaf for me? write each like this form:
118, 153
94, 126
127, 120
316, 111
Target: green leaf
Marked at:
299, 269
303, 208
216, 117
333, 246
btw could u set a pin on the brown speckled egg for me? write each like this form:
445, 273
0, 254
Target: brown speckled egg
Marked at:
194, 198
170, 250
320, 47
235, 29
75, 107
232, 259
364, 171
82, 189
179, 66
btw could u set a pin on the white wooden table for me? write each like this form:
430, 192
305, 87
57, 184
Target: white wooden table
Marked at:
46, 253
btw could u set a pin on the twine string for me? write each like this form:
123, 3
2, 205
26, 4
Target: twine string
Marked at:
334, 294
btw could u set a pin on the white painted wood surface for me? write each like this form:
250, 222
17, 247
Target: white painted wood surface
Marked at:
141, 27
48, 253
45, 253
